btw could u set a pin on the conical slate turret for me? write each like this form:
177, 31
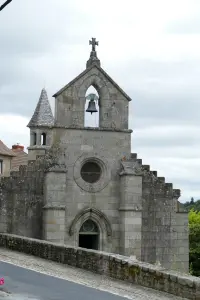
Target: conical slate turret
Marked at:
43, 114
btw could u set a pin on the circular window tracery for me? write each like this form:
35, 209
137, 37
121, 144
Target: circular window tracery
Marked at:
90, 172
89, 226
105, 174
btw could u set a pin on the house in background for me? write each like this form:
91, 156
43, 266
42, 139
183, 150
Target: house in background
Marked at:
6, 156
20, 158
11, 159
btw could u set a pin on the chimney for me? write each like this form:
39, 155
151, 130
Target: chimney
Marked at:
18, 147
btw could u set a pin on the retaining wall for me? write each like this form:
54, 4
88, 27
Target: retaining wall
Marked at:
115, 266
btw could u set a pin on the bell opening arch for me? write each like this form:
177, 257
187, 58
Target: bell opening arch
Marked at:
91, 112
98, 84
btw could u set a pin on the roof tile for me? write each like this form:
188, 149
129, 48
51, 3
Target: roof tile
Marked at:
4, 150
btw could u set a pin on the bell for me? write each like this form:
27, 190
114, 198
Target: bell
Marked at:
91, 107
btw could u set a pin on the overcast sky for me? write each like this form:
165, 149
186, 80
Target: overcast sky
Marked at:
151, 48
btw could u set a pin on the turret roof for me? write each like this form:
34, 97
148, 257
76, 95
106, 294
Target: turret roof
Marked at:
43, 114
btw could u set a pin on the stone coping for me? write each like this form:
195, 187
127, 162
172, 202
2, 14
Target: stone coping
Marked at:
38, 147
113, 265
81, 128
95, 128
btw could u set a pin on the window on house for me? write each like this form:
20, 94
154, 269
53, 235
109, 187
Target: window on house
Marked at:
1, 166
43, 139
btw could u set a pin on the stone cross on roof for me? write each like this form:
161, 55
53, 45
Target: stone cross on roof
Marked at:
93, 54
94, 43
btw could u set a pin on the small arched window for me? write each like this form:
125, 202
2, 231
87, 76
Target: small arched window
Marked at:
43, 139
34, 137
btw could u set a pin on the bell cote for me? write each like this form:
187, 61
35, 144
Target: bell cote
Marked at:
107, 102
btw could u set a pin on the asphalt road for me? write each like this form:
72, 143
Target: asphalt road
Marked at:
26, 284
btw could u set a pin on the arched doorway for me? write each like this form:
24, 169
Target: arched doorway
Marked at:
89, 235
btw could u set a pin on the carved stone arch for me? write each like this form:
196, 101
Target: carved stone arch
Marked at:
104, 226
94, 214
98, 83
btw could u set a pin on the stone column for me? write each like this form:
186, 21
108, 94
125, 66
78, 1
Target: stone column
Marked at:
32, 138
130, 214
55, 207
54, 223
38, 139
180, 237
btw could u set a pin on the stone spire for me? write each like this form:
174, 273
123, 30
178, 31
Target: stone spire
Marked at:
43, 114
93, 54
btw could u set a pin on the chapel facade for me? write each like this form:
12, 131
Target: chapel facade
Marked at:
86, 188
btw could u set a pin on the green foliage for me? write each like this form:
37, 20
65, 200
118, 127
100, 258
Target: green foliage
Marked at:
192, 205
194, 240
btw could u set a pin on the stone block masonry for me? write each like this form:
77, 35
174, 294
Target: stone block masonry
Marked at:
133, 211
42, 200
21, 201
115, 266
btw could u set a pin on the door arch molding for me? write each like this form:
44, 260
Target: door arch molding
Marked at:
105, 230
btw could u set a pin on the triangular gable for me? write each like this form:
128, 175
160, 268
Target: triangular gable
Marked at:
85, 72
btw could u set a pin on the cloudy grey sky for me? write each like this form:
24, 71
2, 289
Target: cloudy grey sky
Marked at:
151, 48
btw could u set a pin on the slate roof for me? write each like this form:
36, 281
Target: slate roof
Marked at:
94, 65
43, 114
4, 150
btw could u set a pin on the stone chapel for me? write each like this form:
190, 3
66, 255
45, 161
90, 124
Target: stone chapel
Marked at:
84, 187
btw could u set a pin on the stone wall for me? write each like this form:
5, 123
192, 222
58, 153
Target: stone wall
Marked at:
21, 201
112, 265
157, 218
162, 228
152, 229
80, 145
42, 200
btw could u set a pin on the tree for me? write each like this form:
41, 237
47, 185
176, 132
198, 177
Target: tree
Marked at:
192, 201
194, 240
5, 4
192, 204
